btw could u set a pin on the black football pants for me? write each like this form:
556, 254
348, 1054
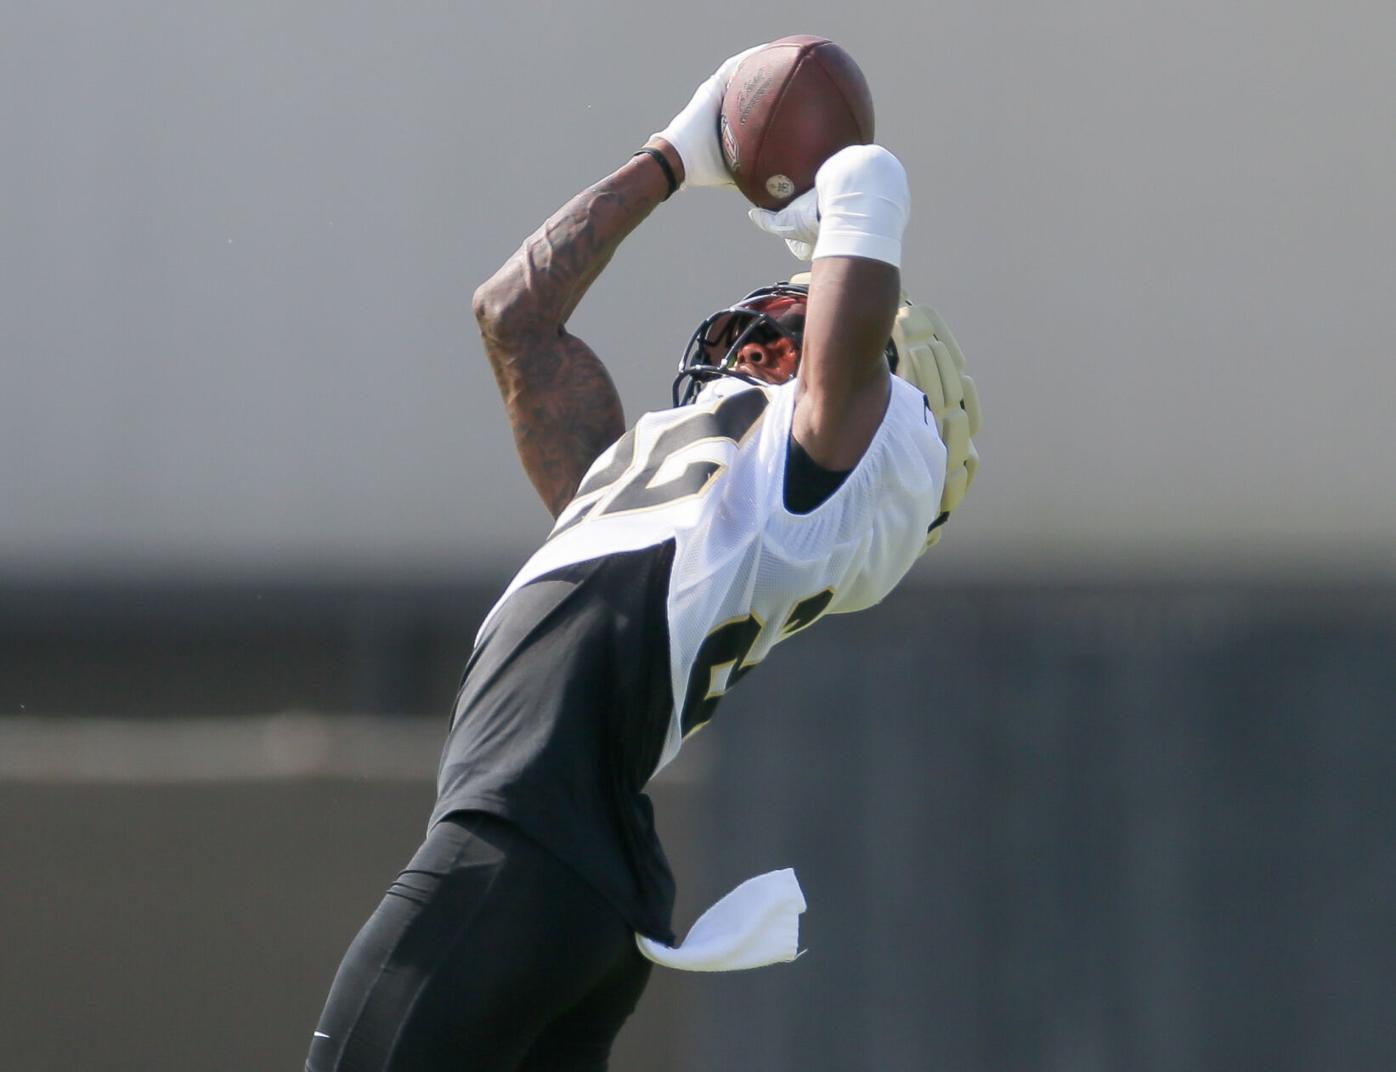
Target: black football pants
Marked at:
486, 955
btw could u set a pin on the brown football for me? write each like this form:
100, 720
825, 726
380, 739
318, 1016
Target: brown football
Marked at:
790, 106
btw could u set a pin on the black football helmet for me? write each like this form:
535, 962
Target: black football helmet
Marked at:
762, 316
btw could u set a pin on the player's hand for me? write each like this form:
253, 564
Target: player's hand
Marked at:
858, 207
797, 223
693, 132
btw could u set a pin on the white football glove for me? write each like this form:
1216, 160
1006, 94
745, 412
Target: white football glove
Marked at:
858, 208
693, 132
797, 223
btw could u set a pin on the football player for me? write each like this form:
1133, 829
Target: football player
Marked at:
795, 476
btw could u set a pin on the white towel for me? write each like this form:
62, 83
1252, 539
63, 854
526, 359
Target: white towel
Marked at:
756, 924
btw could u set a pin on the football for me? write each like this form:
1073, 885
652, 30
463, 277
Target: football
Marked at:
789, 107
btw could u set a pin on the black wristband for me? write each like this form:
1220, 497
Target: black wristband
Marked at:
650, 150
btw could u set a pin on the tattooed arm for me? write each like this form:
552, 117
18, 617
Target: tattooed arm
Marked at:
561, 402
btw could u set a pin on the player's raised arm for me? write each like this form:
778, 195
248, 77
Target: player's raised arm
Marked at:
561, 402
852, 224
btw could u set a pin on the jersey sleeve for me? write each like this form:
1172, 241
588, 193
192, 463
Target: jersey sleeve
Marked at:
874, 526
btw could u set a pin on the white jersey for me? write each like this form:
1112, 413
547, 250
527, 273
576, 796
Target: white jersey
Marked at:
747, 573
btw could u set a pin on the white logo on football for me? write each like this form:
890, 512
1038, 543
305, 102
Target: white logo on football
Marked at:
729, 145
780, 186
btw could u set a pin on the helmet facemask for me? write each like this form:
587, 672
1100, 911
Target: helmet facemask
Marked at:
763, 316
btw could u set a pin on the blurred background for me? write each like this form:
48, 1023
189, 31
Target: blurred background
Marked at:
1109, 783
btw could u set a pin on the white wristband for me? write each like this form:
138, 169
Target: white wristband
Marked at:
864, 203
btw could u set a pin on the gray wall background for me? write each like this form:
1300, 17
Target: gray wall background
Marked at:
239, 242
1107, 785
